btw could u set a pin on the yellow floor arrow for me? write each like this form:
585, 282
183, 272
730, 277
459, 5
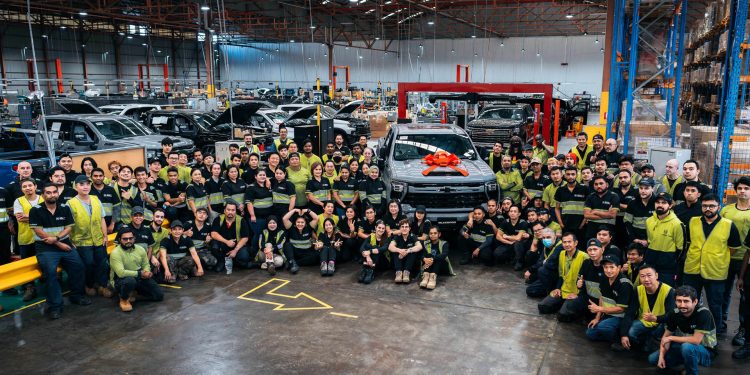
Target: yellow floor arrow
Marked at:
276, 284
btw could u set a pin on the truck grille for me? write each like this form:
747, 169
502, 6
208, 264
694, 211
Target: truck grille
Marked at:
490, 135
445, 200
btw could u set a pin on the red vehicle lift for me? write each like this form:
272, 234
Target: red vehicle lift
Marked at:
165, 67
404, 88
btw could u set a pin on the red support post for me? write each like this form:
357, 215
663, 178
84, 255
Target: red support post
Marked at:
166, 78
140, 77
59, 76
557, 124
458, 72
443, 113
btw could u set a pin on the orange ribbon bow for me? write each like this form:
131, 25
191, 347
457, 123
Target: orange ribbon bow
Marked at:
443, 159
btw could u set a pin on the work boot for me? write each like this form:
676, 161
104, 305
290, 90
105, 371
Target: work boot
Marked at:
432, 282
125, 305
323, 268
264, 266
370, 275
293, 267
399, 277
29, 293
105, 292
331, 267
82, 300
90, 292
405, 277
425, 279
739, 338
55, 314
617, 347
131, 296
362, 275
271, 268
742, 353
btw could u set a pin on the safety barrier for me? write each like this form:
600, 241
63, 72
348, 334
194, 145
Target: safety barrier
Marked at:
27, 270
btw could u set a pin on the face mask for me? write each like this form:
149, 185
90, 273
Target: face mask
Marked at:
547, 242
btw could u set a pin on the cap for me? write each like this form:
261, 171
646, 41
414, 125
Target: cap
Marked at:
648, 166
137, 210
421, 208
531, 209
610, 258
167, 141
204, 209
82, 178
536, 160
154, 160
598, 136
664, 196
543, 211
593, 242
647, 182
176, 223
528, 147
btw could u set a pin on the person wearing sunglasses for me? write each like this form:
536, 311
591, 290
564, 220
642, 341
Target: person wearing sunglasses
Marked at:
131, 272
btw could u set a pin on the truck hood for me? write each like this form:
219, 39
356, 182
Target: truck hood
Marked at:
410, 171
153, 142
349, 108
494, 122
241, 113
302, 113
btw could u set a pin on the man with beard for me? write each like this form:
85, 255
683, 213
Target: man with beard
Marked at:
52, 223
570, 203
581, 149
665, 240
601, 207
107, 196
131, 272
739, 213
57, 177
597, 151
612, 156
672, 176
509, 180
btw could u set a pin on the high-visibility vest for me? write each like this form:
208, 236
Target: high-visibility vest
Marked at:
741, 219
709, 257
200, 202
237, 226
670, 187
659, 304
87, 230
581, 158
438, 250
569, 272
277, 143
25, 234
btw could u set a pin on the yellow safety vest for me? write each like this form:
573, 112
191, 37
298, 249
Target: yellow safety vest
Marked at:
581, 161
237, 226
741, 219
659, 305
428, 249
25, 234
670, 187
569, 272
708, 257
277, 143
87, 230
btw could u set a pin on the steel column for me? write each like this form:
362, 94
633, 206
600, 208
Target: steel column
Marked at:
632, 73
678, 74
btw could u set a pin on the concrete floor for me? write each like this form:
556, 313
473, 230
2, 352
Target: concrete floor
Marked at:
477, 322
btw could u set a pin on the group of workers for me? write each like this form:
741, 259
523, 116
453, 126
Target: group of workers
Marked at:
628, 251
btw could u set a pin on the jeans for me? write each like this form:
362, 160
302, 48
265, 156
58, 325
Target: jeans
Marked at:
327, 254
145, 287
640, 334
27, 251
256, 228
735, 266
690, 355
96, 262
73, 266
220, 251
714, 294
303, 257
606, 330
405, 264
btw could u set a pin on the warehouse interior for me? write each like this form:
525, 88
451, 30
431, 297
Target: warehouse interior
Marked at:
663, 79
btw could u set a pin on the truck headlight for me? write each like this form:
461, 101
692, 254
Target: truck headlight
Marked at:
150, 154
398, 187
490, 186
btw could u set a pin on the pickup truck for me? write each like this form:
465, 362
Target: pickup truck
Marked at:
343, 121
447, 194
16, 147
498, 123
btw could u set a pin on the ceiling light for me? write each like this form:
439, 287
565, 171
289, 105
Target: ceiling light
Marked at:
585, 33
353, 1
473, 36
309, 58
158, 51
430, 22
312, 26
502, 44
83, 46
205, 7
476, 54
377, 38
597, 40
523, 50
44, 35
453, 50
538, 54
360, 56
144, 44
388, 2
291, 41
130, 37
121, 33
568, 16
325, 55
83, 13
63, 27
277, 50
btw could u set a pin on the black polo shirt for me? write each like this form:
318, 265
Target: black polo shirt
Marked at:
679, 191
405, 243
143, 235
67, 193
637, 209
391, 222
479, 230
249, 175
512, 230
538, 184
592, 274
175, 190
700, 320
106, 195
497, 220
343, 227
579, 194
198, 234
254, 192
159, 184
366, 226
621, 290
230, 232
176, 249
40, 217
602, 203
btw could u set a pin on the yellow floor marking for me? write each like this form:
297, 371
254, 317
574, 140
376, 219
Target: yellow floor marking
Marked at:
171, 286
344, 315
280, 306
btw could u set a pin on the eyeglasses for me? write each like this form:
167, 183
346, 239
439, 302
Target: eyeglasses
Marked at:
709, 205
127, 238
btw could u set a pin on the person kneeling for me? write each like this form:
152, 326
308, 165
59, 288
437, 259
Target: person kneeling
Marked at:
178, 256
435, 259
616, 290
131, 272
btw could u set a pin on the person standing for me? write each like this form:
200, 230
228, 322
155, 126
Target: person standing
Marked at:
52, 223
713, 239
664, 239
639, 210
536, 181
21, 208
89, 236
556, 180
230, 234
743, 286
672, 176
495, 158
690, 172
570, 200
695, 345
581, 149
509, 180
259, 203
601, 207
739, 213
131, 272
107, 196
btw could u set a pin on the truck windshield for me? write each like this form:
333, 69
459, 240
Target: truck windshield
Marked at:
205, 119
277, 116
417, 146
136, 126
112, 129
503, 114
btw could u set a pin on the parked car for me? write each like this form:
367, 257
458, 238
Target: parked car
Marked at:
207, 128
447, 194
79, 133
137, 112
343, 122
498, 123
